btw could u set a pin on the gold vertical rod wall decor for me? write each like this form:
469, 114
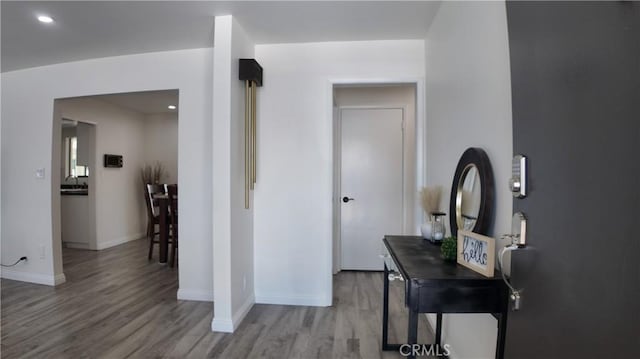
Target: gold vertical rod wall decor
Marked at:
252, 91
253, 134
247, 161
250, 71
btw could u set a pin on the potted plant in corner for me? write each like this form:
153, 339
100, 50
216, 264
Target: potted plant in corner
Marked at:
153, 174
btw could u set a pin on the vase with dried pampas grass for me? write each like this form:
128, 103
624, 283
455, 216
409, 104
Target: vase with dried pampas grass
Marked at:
430, 199
430, 202
153, 174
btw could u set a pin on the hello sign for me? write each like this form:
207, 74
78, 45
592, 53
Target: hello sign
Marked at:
476, 252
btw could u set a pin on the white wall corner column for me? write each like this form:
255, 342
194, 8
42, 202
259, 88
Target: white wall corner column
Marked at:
232, 223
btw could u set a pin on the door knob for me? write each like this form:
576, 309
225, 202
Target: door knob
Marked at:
347, 199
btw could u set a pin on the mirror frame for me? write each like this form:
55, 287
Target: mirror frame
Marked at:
473, 156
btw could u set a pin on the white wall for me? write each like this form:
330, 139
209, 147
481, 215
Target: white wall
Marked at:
293, 197
27, 124
468, 92
117, 192
161, 142
232, 223
1, 161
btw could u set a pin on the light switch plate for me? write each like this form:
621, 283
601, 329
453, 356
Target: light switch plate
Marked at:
40, 173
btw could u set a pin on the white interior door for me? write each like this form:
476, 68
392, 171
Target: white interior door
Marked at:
371, 184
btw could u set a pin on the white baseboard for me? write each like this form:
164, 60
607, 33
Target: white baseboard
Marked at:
306, 300
226, 325
76, 245
222, 325
195, 294
59, 279
37, 278
118, 241
244, 309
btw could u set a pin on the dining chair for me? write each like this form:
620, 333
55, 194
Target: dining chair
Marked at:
153, 215
172, 191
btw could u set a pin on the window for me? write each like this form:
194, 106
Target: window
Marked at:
72, 169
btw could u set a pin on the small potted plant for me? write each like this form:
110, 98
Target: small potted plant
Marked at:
449, 249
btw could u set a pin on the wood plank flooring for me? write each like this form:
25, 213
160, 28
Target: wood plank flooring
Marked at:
116, 304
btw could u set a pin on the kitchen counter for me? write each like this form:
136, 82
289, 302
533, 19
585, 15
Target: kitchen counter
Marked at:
83, 192
74, 190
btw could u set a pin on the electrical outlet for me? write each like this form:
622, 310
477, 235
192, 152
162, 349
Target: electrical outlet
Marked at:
42, 253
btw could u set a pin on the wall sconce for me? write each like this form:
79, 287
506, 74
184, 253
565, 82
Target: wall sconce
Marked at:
250, 72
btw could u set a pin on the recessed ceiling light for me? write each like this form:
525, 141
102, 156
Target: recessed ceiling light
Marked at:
46, 19
171, 107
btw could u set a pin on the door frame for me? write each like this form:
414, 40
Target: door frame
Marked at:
337, 177
420, 156
56, 197
56, 227
92, 183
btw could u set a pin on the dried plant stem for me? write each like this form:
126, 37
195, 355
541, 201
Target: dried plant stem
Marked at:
430, 199
153, 174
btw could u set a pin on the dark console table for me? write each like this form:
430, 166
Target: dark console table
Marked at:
435, 286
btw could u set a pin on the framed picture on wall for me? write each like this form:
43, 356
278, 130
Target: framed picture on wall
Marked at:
476, 252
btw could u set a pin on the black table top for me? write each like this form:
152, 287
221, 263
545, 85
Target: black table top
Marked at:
419, 260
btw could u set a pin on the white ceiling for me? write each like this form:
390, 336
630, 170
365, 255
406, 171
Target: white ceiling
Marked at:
91, 29
147, 102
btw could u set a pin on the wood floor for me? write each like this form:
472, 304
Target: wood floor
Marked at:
116, 304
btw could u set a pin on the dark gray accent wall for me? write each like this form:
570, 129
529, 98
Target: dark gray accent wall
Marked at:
576, 114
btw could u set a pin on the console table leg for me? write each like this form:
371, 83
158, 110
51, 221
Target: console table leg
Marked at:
385, 310
412, 330
439, 329
502, 333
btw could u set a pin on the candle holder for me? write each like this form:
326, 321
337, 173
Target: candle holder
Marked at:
437, 227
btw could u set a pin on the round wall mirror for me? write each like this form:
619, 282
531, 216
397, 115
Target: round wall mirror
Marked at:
468, 198
471, 205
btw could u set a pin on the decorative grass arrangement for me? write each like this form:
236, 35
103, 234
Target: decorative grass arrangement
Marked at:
153, 174
430, 199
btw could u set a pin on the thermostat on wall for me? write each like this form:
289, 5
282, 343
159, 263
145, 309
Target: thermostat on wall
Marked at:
112, 161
